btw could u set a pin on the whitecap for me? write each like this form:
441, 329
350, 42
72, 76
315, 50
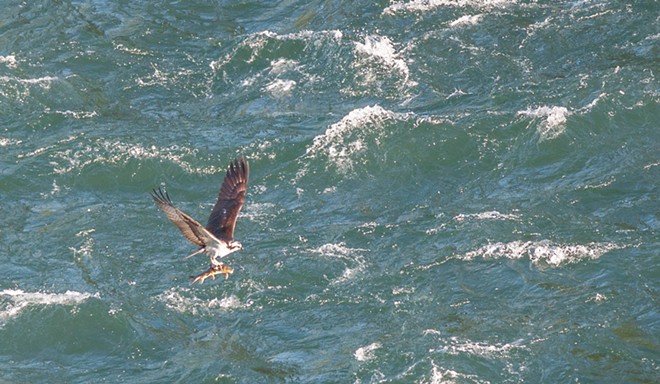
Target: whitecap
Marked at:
429, 5
441, 375
377, 61
488, 215
381, 47
279, 88
346, 138
18, 300
366, 353
102, 151
542, 252
5, 142
132, 51
555, 120
9, 60
336, 250
77, 114
182, 300
466, 20
457, 346
42, 81
157, 78
18, 89
355, 263
280, 66
589, 107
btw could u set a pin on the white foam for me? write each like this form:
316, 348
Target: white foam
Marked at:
367, 353
19, 300
429, 5
555, 120
337, 250
116, 152
466, 20
42, 81
279, 88
280, 66
489, 215
543, 251
5, 142
78, 115
18, 89
354, 261
182, 300
593, 103
492, 351
10, 61
157, 78
441, 375
377, 60
381, 47
132, 51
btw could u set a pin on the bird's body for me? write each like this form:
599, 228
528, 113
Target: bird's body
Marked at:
217, 238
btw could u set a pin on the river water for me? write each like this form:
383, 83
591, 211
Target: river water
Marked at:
440, 192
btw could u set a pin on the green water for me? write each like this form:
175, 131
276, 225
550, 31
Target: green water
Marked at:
440, 191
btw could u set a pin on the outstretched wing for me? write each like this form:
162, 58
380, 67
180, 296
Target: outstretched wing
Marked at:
230, 200
191, 229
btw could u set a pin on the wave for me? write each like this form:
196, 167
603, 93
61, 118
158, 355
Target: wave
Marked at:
542, 252
363, 133
372, 62
15, 301
367, 353
9, 61
182, 300
467, 20
101, 151
355, 263
376, 60
347, 137
488, 215
456, 346
6, 142
554, 123
18, 89
429, 5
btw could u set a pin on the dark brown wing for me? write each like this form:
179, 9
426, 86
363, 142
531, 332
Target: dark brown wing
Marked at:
230, 200
190, 228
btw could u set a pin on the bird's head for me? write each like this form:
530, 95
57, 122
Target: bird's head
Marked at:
235, 246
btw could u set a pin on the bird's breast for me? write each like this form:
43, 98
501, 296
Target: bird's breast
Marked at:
218, 249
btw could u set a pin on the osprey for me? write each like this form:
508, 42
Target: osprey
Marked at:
217, 238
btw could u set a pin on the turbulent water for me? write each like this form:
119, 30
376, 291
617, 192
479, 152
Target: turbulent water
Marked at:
441, 191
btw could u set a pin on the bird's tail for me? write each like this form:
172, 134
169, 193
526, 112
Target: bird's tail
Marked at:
195, 253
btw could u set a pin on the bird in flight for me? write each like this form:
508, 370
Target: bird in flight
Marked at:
217, 238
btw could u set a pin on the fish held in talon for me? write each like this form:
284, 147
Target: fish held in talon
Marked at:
211, 272
216, 239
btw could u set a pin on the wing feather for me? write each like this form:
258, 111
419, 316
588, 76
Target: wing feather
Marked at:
230, 200
191, 229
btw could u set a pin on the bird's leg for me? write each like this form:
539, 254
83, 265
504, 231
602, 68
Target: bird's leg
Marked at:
215, 263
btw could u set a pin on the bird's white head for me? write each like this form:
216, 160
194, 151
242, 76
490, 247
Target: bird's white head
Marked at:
235, 246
